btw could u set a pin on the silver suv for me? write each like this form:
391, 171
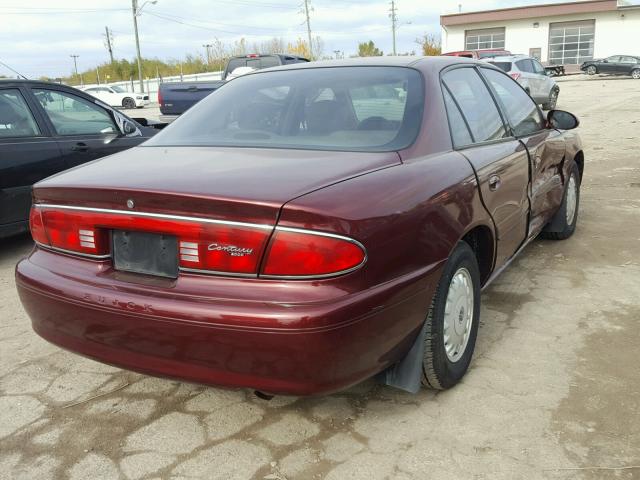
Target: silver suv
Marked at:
530, 73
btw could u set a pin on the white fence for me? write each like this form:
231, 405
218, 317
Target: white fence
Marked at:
151, 85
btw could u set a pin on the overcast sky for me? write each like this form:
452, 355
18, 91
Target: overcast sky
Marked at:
37, 36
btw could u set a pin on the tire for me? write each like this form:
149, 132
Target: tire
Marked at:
635, 73
553, 99
565, 219
591, 70
128, 102
443, 365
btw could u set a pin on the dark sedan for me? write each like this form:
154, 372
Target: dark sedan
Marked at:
305, 227
615, 65
46, 128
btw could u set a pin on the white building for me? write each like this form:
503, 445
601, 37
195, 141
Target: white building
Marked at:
560, 34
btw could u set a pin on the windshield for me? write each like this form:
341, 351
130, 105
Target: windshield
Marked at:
118, 89
344, 108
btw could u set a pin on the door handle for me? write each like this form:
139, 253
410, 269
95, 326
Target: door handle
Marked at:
80, 147
494, 182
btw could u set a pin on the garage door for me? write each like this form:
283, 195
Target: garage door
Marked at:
571, 43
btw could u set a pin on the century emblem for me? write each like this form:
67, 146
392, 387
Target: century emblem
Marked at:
231, 249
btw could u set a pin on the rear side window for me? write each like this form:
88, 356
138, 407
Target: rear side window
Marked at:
266, 62
522, 112
15, 117
476, 104
504, 66
459, 130
525, 66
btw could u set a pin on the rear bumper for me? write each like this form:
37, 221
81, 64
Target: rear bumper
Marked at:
258, 339
168, 118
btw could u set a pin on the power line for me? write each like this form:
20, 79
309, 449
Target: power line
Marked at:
14, 71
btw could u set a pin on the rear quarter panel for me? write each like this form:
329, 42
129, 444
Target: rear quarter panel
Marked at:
409, 217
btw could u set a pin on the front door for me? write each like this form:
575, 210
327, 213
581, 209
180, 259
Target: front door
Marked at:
27, 155
545, 147
500, 161
84, 131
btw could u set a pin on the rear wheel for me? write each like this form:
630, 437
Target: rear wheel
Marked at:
635, 73
592, 70
565, 220
553, 100
452, 321
128, 102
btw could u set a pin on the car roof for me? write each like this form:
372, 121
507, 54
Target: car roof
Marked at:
507, 58
417, 62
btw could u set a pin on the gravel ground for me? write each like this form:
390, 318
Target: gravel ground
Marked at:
553, 391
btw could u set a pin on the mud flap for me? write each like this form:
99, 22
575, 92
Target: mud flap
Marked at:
407, 373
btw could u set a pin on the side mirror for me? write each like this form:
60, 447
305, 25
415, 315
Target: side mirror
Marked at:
562, 120
128, 128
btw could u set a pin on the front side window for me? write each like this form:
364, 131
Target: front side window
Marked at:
72, 115
16, 119
476, 104
525, 65
522, 112
537, 67
347, 108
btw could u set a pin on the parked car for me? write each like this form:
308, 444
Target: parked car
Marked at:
117, 96
296, 232
46, 128
615, 65
479, 54
175, 98
533, 77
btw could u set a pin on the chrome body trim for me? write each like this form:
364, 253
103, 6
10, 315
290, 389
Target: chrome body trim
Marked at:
155, 215
69, 252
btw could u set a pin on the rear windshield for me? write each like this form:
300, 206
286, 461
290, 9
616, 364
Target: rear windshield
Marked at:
504, 66
345, 108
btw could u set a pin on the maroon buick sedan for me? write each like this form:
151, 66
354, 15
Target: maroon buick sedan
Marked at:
305, 227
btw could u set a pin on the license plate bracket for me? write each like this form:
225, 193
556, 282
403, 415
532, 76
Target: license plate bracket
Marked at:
146, 253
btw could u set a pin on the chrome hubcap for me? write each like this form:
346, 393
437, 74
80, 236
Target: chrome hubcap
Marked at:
591, 70
572, 199
635, 74
458, 314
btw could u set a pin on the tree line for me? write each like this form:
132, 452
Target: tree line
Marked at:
216, 56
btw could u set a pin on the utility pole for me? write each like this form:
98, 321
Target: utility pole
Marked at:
109, 40
134, 7
75, 63
394, 20
307, 9
208, 47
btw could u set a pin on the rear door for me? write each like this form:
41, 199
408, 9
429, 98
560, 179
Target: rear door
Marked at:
546, 147
84, 130
28, 154
626, 65
500, 161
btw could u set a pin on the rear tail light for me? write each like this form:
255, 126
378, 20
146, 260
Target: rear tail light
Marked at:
515, 75
204, 245
294, 253
159, 96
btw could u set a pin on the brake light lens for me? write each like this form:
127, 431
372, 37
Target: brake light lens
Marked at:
202, 245
159, 96
304, 254
37, 228
515, 75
